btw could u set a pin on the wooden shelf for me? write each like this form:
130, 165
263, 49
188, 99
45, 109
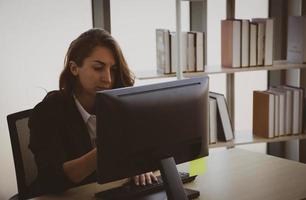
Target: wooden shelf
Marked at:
222, 144
242, 138
277, 65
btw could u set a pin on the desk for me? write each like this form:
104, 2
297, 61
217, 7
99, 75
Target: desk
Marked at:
232, 174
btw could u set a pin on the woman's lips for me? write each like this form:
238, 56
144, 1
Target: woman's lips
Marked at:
102, 88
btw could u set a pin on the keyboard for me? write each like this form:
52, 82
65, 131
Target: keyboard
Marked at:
130, 190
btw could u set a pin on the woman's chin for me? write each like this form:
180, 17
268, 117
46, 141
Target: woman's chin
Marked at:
100, 89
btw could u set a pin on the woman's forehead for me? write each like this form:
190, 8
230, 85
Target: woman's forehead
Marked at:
102, 54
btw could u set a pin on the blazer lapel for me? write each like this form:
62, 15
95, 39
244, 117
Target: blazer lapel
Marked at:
79, 131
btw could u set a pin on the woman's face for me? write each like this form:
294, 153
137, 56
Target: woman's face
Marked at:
97, 72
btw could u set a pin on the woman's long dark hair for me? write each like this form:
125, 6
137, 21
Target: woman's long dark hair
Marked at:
82, 47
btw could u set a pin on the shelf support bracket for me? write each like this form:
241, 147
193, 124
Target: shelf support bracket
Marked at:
179, 71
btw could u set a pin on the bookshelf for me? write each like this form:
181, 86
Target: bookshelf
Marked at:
247, 137
281, 72
277, 65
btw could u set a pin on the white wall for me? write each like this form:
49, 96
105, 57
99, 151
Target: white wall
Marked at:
216, 11
133, 24
34, 37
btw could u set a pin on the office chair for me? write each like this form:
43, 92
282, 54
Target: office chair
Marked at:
25, 166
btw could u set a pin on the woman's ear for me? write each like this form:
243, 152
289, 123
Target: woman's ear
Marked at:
74, 68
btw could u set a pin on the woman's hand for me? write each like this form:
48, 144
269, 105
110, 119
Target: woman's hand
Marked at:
144, 179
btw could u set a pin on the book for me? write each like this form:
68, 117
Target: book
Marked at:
184, 51
260, 44
268, 39
263, 114
276, 112
231, 43
163, 51
297, 107
173, 47
245, 43
253, 44
301, 108
288, 108
199, 51
269, 42
224, 126
304, 118
296, 43
281, 113
212, 121
191, 52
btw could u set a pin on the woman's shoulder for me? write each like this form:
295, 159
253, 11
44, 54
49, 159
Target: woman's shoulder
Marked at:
54, 100
55, 95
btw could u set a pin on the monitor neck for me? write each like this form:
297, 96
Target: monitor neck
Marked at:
172, 181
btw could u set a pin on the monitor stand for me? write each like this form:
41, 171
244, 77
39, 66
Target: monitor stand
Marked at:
172, 181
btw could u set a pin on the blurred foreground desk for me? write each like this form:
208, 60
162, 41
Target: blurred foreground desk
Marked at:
232, 174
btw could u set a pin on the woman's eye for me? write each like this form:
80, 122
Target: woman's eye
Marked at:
98, 67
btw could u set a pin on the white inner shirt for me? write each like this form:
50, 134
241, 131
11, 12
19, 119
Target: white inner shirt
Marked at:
90, 121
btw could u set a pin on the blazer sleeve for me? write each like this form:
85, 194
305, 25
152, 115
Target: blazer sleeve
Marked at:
46, 143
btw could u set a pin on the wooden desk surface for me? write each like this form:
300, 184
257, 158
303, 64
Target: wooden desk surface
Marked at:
231, 174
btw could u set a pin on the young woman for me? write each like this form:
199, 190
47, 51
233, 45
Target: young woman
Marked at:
63, 126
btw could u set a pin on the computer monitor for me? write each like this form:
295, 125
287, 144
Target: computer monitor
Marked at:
152, 127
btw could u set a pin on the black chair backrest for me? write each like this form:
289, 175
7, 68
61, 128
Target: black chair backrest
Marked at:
25, 167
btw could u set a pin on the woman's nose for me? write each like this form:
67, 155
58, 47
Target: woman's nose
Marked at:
106, 76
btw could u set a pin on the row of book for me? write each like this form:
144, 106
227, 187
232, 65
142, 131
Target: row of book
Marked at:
192, 47
247, 43
220, 127
278, 111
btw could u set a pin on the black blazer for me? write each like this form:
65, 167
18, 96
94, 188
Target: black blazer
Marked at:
58, 134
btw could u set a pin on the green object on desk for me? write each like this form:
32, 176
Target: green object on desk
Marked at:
197, 167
